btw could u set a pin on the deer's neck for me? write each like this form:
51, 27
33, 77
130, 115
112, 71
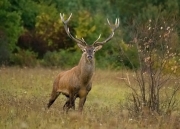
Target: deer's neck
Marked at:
86, 69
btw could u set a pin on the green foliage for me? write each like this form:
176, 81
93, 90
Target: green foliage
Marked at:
10, 24
4, 52
28, 10
129, 56
61, 58
47, 29
84, 27
108, 61
38, 28
10, 29
24, 58
129, 9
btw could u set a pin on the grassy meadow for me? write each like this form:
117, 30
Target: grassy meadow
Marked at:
24, 94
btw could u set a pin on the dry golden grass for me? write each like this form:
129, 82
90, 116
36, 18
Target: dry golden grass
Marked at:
24, 93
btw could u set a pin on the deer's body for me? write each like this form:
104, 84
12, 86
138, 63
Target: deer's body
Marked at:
75, 78
77, 82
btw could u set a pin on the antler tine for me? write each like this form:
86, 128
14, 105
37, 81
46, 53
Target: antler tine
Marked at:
98, 38
65, 22
113, 28
108, 21
62, 17
69, 17
117, 22
83, 39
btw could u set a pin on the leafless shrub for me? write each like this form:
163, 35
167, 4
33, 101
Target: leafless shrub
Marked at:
156, 83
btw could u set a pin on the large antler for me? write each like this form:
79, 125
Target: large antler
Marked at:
80, 41
113, 28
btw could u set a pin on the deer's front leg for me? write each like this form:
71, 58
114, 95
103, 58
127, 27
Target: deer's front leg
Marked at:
81, 103
82, 96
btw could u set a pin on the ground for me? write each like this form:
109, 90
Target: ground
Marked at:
24, 94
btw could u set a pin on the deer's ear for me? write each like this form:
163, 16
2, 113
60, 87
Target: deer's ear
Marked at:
98, 47
81, 46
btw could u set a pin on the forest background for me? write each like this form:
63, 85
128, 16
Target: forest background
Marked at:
32, 34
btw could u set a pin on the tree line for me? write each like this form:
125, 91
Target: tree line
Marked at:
31, 32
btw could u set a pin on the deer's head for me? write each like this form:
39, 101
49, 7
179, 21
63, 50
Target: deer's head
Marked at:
89, 50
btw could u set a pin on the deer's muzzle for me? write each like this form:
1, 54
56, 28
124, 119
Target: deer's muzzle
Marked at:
89, 57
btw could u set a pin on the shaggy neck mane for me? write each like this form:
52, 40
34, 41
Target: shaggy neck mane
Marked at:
86, 68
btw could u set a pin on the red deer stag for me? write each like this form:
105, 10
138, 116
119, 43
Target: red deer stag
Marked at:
77, 82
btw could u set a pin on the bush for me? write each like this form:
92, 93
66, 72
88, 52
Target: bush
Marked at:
128, 56
4, 51
62, 58
24, 58
107, 60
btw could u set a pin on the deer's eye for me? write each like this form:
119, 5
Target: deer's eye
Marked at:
84, 50
94, 51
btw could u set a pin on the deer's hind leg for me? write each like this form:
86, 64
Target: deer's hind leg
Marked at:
54, 96
70, 103
66, 105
